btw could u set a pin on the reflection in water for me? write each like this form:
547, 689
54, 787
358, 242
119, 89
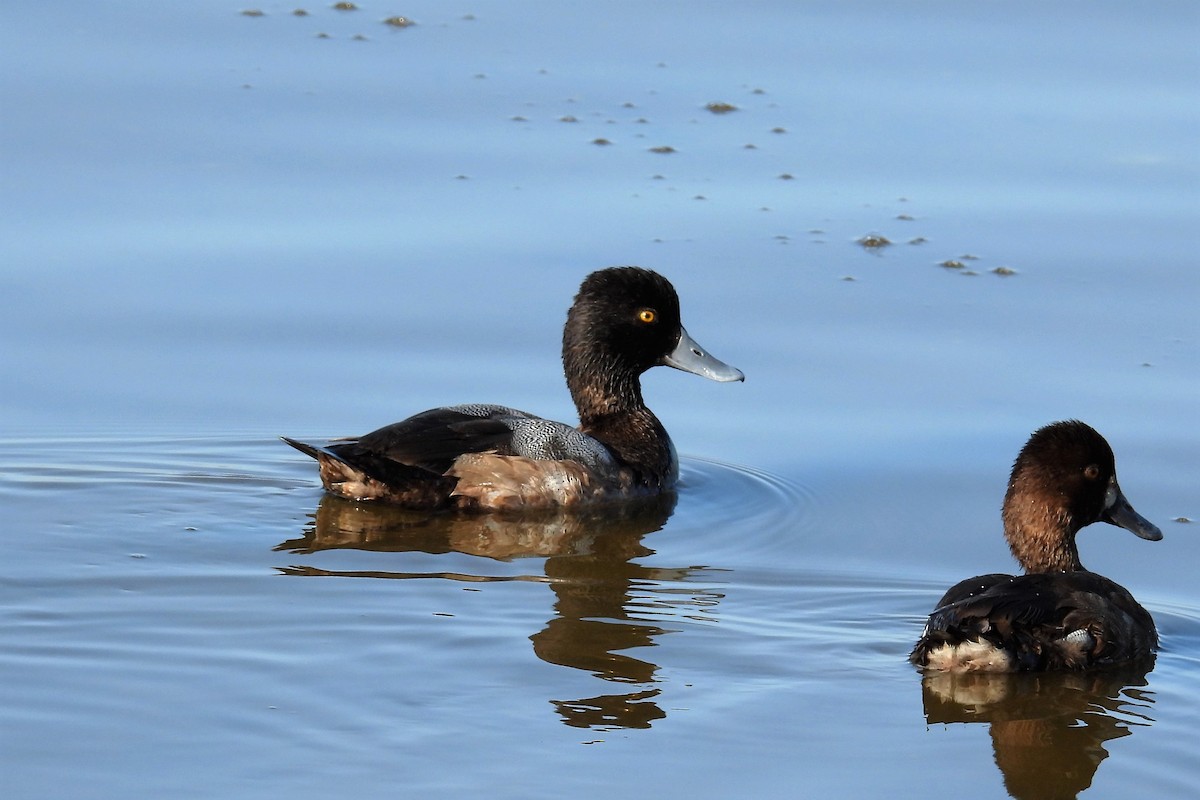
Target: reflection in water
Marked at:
1048, 729
599, 589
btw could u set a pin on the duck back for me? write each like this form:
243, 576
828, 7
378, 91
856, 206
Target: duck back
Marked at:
1049, 621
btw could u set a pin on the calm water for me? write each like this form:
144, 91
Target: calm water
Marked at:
219, 228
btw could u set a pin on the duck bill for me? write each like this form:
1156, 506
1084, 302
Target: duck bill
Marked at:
691, 357
1118, 511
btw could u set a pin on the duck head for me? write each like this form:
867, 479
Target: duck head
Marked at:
1064, 479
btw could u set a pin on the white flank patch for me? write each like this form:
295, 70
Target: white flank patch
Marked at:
969, 657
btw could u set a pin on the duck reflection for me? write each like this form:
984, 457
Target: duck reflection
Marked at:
1048, 729
601, 592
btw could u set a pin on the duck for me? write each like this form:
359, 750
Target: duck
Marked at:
1057, 615
482, 457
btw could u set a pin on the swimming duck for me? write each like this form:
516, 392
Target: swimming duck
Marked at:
624, 321
1057, 615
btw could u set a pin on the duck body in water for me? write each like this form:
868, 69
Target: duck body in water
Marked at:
1058, 615
482, 457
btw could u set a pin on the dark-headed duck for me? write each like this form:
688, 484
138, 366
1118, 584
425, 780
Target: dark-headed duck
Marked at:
1057, 615
624, 321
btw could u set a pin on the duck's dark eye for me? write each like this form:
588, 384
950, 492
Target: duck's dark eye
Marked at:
1091, 472
647, 315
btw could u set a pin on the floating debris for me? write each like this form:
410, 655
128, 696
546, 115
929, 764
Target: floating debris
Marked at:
905, 217
759, 91
1184, 520
721, 108
399, 22
849, 278
253, 12
787, 176
628, 104
568, 118
969, 257
519, 118
358, 37
601, 141
918, 240
750, 146
663, 148
778, 130
952, 263
1005, 271
874, 241
299, 12
324, 35
345, 7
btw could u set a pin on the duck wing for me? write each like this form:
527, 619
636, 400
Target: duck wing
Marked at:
433, 439
421, 461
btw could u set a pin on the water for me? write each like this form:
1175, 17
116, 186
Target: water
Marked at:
221, 228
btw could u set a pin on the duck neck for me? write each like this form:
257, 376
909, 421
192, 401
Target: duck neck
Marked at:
1041, 537
612, 411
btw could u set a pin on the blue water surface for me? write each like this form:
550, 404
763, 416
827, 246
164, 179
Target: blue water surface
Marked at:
220, 227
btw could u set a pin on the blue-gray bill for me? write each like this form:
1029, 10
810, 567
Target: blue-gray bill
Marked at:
1119, 512
689, 356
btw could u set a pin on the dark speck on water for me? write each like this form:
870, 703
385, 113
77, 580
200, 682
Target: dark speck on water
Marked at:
874, 241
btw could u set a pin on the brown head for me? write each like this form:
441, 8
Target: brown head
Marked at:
1064, 479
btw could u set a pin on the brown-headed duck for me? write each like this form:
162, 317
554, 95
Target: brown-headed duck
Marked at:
1057, 615
478, 457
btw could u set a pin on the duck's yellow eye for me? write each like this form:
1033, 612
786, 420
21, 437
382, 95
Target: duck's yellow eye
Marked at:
647, 315
1091, 472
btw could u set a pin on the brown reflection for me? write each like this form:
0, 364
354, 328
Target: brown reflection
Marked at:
589, 565
1048, 729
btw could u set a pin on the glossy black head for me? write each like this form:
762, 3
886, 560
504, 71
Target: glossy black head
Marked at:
624, 321
1064, 479
623, 317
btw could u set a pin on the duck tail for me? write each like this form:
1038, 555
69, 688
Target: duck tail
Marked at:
303, 447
